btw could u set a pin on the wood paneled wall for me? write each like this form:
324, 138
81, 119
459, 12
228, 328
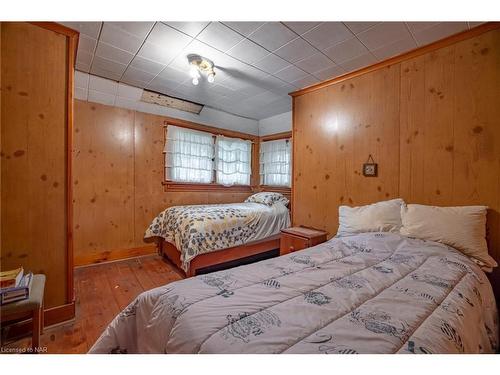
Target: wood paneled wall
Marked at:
118, 170
432, 123
33, 142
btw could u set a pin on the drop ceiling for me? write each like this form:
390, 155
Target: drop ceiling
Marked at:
257, 63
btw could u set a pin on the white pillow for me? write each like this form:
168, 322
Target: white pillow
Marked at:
463, 228
378, 217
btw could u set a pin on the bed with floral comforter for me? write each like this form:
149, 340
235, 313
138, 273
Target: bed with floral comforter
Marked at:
368, 293
200, 229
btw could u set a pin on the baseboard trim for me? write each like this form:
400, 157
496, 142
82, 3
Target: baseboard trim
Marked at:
59, 314
111, 255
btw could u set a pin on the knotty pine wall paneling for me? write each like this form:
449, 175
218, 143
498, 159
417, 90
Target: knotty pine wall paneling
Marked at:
431, 122
118, 174
35, 118
335, 130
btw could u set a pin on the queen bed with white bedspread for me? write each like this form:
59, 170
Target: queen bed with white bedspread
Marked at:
366, 293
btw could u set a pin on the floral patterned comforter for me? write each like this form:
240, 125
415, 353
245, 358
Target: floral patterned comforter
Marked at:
369, 293
202, 229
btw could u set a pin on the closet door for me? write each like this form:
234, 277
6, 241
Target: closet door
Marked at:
36, 125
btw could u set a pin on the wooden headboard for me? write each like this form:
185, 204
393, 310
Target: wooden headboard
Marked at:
431, 121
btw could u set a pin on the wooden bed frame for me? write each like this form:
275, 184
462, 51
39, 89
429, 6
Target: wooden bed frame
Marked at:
236, 253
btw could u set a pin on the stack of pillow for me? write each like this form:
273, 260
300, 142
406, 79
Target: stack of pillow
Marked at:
463, 228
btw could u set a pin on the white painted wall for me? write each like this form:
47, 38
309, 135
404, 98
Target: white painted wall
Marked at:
276, 124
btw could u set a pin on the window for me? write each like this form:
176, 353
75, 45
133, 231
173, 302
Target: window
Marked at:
189, 155
275, 163
193, 156
233, 161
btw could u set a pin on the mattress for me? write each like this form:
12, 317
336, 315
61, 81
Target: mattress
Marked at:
200, 229
367, 293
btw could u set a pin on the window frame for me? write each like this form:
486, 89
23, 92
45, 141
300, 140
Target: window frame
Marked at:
170, 185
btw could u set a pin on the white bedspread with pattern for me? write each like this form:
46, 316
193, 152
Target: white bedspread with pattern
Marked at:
200, 229
368, 293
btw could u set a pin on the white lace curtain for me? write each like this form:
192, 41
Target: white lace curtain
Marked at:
233, 161
189, 155
276, 163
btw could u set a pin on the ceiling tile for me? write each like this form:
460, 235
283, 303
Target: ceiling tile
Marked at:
474, 24
129, 92
295, 50
82, 67
84, 57
358, 62
271, 63
291, 73
156, 53
146, 65
395, 48
301, 27
101, 97
329, 73
314, 63
272, 35
247, 51
175, 75
103, 85
284, 89
168, 38
105, 73
126, 103
137, 77
109, 52
306, 81
190, 28
327, 34
88, 28
139, 29
357, 27
162, 85
383, 34
272, 83
108, 65
244, 28
415, 27
81, 93
120, 38
346, 50
86, 44
439, 31
219, 36
81, 80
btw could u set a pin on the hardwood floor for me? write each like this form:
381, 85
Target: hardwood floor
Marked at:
102, 291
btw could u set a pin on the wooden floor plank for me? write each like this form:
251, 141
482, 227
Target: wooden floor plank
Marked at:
101, 292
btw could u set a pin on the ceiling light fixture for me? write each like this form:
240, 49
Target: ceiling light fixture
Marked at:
199, 65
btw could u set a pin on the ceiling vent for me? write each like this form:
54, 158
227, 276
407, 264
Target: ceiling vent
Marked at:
171, 102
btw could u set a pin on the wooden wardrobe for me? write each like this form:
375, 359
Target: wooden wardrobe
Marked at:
37, 62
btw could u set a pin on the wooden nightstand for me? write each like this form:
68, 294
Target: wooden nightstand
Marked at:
298, 238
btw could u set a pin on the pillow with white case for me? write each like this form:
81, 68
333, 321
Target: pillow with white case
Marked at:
377, 217
463, 228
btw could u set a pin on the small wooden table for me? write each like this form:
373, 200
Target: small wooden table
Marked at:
31, 308
298, 238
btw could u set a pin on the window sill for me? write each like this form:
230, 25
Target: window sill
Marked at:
186, 186
276, 189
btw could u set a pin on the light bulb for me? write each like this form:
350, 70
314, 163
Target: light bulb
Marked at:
193, 71
211, 77
195, 81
